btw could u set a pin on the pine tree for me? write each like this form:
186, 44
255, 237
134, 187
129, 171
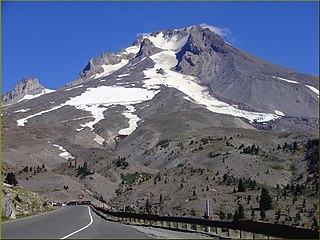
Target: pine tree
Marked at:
11, 179
265, 200
222, 216
248, 199
241, 212
148, 207
240, 186
236, 215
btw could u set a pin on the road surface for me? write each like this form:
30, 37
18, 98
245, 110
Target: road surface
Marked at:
67, 223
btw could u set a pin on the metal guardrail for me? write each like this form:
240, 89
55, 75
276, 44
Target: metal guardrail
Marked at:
248, 226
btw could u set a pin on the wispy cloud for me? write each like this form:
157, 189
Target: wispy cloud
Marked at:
225, 33
143, 34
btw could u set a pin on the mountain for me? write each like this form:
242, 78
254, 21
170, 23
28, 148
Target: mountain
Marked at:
181, 114
25, 89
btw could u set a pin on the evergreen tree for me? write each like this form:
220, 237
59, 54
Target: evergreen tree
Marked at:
265, 202
240, 186
222, 216
241, 212
248, 199
26, 169
148, 207
236, 215
11, 179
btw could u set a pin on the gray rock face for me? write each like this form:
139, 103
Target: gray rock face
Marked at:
94, 65
23, 87
147, 49
240, 78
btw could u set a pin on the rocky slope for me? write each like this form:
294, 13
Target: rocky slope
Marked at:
19, 202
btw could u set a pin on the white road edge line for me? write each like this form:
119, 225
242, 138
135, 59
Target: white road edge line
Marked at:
79, 230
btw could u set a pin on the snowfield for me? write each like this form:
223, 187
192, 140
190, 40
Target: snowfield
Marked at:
97, 100
189, 86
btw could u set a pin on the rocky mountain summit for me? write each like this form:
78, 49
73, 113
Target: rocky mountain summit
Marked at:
178, 117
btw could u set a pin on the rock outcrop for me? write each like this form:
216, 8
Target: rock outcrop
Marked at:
30, 86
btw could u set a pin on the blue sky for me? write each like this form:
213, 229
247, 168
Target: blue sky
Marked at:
54, 40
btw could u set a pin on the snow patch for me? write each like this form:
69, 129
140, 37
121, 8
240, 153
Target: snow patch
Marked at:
22, 110
102, 80
279, 113
167, 43
96, 111
286, 80
123, 75
65, 154
100, 140
29, 96
313, 89
108, 69
23, 121
133, 119
69, 89
165, 59
133, 49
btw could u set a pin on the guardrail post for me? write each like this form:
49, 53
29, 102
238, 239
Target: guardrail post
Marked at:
188, 226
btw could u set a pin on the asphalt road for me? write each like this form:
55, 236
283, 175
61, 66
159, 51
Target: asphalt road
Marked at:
67, 223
